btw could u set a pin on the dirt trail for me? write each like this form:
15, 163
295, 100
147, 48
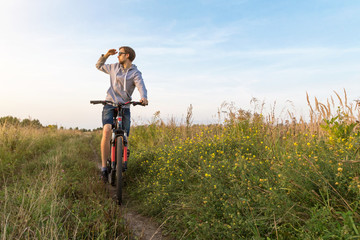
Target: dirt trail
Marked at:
144, 228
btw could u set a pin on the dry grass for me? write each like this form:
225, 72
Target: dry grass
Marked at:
50, 188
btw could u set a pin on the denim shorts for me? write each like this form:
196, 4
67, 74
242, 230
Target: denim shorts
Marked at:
108, 117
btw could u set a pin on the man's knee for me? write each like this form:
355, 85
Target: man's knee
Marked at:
107, 131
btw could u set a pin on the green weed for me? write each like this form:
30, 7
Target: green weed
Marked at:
248, 178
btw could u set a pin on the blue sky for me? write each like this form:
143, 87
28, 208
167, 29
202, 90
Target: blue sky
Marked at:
200, 52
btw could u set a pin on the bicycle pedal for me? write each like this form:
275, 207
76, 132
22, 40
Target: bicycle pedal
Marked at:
125, 167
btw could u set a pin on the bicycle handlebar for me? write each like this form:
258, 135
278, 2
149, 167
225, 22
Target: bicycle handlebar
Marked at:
115, 104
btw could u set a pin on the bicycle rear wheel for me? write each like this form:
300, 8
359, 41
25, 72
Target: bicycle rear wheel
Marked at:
119, 166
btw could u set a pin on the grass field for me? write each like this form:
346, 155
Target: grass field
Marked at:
50, 189
250, 177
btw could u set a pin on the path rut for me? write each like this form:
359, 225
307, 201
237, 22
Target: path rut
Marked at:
144, 228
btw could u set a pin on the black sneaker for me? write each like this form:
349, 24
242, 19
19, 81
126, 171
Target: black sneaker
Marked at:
104, 176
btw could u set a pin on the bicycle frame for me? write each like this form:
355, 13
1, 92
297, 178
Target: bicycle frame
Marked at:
118, 134
118, 131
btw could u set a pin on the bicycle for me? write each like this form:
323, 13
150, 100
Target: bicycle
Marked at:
118, 147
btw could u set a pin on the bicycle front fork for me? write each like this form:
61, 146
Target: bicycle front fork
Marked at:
125, 154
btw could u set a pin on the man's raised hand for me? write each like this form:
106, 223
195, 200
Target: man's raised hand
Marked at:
111, 52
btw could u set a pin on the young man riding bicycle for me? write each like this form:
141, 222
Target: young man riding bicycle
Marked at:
124, 77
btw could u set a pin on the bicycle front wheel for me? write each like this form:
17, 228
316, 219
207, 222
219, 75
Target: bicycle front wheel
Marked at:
119, 166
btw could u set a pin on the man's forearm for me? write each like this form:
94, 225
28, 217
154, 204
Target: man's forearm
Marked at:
101, 62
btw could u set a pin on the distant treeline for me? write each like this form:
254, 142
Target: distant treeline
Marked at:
16, 121
35, 123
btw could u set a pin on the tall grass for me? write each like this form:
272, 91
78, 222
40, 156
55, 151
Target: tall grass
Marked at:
251, 177
50, 187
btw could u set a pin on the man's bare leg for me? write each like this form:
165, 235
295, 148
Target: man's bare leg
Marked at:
105, 144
